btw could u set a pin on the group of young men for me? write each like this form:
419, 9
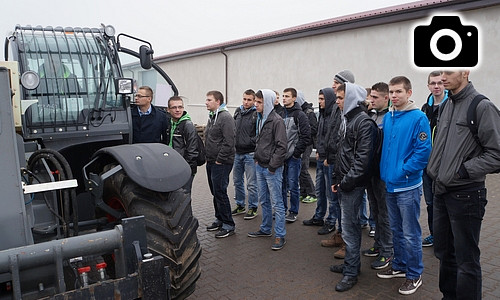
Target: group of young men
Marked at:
386, 147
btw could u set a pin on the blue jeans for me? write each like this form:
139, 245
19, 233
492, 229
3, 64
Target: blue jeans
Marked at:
458, 216
325, 195
378, 209
404, 211
428, 196
270, 185
218, 180
351, 231
245, 164
291, 174
363, 214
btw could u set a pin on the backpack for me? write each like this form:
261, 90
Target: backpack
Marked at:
375, 163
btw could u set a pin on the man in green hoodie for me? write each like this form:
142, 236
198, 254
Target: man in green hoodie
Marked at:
181, 135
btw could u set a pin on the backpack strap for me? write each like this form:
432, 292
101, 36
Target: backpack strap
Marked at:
472, 116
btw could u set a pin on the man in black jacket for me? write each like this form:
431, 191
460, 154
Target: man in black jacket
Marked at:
181, 135
148, 122
352, 171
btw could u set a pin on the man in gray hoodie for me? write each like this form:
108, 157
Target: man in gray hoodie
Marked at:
358, 135
270, 153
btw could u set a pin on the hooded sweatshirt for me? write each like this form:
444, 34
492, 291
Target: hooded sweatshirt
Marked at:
298, 131
405, 149
356, 146
182, 137
308, 109
271, 144
325, 122
219, 136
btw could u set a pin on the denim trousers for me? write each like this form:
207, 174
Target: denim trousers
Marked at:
378, 209
218, 180
270, 196
244, 164
404, 211
351, 231
365, 214
326, 198
428, 196
291, 172
305, 181
457, 218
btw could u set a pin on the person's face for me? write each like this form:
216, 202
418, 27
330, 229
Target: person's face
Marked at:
259, 104
277, 101
455, 81
435, 85
398, 95
248, 101
143, 98
321, 101
211, 103
288, 99
378, 100
340, 99
335, 85
176, 109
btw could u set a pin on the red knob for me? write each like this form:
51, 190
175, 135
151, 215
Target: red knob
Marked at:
83, 270
101, 266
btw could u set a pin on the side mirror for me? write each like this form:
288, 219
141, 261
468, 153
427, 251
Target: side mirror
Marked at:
146, 57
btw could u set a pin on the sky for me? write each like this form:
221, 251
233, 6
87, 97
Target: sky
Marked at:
176, 25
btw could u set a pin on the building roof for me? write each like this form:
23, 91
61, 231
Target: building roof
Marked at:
403, 12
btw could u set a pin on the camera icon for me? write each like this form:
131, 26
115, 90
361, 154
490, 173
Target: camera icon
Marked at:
445, 43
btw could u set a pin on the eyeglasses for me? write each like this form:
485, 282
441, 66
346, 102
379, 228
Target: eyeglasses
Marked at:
176, 107
435, 83
141, 96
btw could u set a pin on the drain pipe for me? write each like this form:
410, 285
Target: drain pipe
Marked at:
225, 73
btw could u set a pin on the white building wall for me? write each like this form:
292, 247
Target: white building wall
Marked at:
373, 54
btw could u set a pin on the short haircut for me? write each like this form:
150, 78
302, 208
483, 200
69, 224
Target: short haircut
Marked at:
401, 80
291, 90
217, 95
368, 91
381, 87
259, 94
147, 88
340, 88
434, 74
175, 98
249, 92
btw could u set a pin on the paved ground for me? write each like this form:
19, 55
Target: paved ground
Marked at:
239, 267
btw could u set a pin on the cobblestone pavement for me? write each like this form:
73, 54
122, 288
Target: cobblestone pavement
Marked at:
239, 267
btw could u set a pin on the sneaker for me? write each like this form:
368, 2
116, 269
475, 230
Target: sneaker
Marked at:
302, 198
238, 210
291, 217
391, 273
410, 286
381, 262
251, 213
326, 229
372, 252
346, 283
340, 254
428, 241
313, 222
371, 233
259, 233
278, 243
222, 233
334, 241
309, 199
215, 226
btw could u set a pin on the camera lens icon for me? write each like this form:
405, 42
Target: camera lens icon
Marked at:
445, 33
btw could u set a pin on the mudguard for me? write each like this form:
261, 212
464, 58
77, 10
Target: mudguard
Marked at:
154, 166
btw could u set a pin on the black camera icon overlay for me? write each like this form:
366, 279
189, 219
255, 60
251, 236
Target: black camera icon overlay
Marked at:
445, 43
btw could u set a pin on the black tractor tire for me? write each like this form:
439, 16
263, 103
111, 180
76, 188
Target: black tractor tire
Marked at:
170, 226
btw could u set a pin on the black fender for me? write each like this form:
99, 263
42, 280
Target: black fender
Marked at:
154, 166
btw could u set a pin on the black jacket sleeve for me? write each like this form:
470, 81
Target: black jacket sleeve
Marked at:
304, 135
191, 152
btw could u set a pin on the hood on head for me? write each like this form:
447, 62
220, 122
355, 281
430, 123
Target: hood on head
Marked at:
354, 96
269, 98
330, 99
300, 98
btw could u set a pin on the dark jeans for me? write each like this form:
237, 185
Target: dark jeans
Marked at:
457, 226
428, 196
305, 180
291, 172
218, 180
378, 209
351, 231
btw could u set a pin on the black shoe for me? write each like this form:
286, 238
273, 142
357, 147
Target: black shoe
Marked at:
326, 229
214, 227
222, 233
346, 283
291, 217
259, 233
313, 222
337, 268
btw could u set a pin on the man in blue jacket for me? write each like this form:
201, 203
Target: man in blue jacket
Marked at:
405, 151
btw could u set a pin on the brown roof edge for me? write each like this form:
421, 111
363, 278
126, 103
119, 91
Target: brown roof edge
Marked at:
386, 15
